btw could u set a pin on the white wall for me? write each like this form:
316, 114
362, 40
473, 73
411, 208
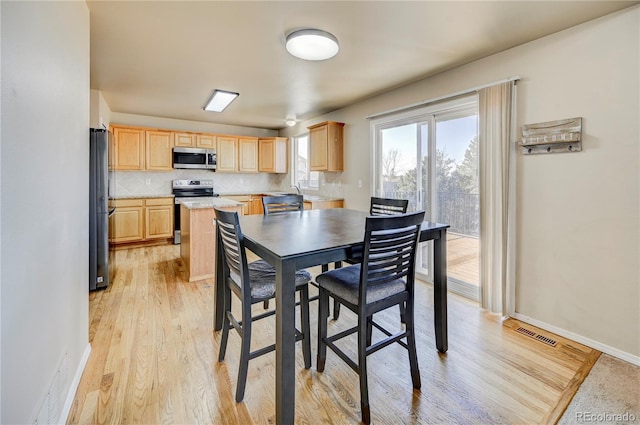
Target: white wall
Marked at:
578, 214
44, 199
99, 111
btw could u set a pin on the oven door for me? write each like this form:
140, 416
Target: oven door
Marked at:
176, 223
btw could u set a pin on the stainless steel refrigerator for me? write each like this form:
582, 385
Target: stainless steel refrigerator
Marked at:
99, 209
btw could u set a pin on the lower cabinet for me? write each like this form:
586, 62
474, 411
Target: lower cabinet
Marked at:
140, 220
323, 205
251, 204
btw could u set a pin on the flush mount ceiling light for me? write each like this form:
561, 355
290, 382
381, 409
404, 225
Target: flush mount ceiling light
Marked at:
290, 121
312, 44
219, 100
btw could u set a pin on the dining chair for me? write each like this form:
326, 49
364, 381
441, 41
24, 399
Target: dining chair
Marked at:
384, 278
282, 204
378, 206
252, 283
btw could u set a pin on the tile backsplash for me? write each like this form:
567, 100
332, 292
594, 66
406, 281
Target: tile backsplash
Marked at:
133, 183
153, 183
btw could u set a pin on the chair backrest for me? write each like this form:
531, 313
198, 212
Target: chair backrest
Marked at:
387, 206
282, 204
233, 245
390, 247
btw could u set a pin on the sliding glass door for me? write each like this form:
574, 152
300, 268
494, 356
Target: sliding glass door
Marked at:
430, 157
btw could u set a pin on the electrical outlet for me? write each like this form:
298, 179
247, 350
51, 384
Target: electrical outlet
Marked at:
359, 183
148, 181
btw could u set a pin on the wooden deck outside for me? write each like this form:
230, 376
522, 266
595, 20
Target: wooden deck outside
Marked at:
463, 258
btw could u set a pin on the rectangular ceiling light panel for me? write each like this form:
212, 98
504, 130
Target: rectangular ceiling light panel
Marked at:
219, 100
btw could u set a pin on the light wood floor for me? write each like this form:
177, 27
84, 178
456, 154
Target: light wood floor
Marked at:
154, 361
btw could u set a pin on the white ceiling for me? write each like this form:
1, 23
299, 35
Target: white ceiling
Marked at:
165, 58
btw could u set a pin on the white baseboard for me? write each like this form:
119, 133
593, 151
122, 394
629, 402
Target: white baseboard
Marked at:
622, 355
64, 414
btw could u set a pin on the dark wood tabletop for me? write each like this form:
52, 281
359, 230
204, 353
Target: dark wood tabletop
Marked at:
309, 238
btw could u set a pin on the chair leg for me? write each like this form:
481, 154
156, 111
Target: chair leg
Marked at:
411, 345
369, 330
245, 347
323, 314
362, 369
402, 312
336, 309
225, 325
306, 326
336, 304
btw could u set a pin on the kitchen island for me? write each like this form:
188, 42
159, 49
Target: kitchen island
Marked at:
198, 238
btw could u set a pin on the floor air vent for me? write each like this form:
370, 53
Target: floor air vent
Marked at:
537, 337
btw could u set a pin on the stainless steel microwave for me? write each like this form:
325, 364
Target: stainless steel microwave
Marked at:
194, 158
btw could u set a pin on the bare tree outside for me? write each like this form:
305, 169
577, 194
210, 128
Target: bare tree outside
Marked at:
389, 164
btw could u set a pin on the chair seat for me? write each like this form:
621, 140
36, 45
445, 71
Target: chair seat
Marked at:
345, 283
262, 277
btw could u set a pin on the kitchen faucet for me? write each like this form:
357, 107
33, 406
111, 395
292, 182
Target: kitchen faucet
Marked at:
297, 188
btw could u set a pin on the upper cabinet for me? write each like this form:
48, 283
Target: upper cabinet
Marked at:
135, 148
237, 154
248, 154
194, 140
184, 140
127, 149
140, 148
326, 146
272, 154
158, 151
227, 154
206, 141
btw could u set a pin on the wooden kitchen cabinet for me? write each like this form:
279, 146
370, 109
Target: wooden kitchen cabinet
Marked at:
158, 146
227, 154
194, 140
141, 219
206, 141
184, 140
248, 154
159, 218
323, 204
246, 202
272, 154
256, 205
127, 148
137, 148
326, 148
126, 224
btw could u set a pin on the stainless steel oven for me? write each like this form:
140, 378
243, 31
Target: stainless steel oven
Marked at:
188, 190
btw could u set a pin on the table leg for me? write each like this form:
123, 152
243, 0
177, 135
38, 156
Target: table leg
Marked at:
440, 291
218, 315
285, 342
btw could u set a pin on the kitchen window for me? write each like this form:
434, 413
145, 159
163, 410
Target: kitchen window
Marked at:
301, 175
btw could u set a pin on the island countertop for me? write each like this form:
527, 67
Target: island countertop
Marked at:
208, 202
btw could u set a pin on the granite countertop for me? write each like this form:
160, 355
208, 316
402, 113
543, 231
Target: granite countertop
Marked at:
141, 196
308, 198
209, 203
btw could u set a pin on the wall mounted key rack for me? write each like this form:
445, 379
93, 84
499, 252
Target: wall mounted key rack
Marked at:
552, 136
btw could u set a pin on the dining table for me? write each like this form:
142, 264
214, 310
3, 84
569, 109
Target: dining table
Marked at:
303, 239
